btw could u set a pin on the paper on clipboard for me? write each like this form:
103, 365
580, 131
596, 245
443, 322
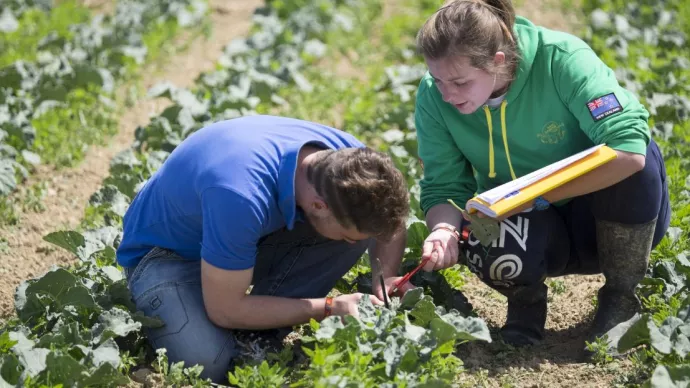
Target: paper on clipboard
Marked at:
496, 194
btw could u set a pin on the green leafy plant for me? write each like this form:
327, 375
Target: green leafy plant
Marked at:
410, 344
600, 350
176, 374
645, 43
558, 287
263, 375
59, 69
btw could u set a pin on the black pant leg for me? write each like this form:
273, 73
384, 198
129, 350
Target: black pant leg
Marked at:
530, 247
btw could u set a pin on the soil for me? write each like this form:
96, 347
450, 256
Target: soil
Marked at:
554, 363
26, 255
100, 6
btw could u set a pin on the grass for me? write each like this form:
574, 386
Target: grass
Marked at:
35, 25
89, 115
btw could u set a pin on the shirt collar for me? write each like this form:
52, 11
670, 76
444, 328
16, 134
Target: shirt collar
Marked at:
287, 201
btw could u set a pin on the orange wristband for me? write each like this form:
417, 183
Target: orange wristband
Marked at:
329, 305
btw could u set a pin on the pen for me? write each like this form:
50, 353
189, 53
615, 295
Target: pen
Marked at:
463, 237
407, 277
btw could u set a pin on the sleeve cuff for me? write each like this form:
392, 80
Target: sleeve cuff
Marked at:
636, 146
428, 204
225, 262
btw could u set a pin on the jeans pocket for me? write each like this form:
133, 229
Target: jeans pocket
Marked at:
164, 302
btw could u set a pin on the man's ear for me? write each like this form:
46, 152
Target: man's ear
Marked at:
319, 206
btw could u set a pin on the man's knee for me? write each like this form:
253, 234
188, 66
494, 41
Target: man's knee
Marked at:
187, 334
206, 349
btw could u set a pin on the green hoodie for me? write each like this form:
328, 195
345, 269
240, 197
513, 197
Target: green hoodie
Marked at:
563, 100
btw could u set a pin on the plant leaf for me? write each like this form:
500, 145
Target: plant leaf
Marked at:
57, 288
8, 23
114, 323
8, 181
424, 311
644, 331
669, 376
412, 297
69, 240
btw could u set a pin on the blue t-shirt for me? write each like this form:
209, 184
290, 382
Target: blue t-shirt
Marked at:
222, 189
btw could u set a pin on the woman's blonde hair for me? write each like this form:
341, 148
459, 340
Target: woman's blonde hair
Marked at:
477, 29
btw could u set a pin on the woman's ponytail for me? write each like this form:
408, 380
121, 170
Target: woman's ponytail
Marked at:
504, 10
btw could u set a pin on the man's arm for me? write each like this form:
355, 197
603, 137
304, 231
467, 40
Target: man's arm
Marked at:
231, 229
228, 305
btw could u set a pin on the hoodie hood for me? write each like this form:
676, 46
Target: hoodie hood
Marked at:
528, 43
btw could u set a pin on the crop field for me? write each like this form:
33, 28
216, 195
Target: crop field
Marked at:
93, 100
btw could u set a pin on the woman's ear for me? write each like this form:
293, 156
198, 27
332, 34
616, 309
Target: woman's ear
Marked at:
499, 59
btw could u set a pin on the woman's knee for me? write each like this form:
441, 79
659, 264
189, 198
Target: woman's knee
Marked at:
522, 252
637, 199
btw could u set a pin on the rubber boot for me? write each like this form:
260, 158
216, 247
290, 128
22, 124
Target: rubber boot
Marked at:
526, 315
623, 251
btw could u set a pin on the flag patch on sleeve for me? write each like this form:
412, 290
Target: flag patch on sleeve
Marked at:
604, 106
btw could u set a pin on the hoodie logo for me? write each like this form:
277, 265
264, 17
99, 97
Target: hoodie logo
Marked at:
552, 133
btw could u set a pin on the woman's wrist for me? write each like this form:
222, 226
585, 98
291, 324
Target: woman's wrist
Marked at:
443, 213
447, 227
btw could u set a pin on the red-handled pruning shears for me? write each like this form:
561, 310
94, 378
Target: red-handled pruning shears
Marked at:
463, 238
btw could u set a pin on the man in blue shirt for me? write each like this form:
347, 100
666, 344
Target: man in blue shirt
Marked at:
284, 205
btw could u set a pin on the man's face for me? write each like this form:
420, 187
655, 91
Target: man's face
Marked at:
326, 225
461, 85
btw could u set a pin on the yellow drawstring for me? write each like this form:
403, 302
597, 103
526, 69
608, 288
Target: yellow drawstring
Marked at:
505, 137
492, 170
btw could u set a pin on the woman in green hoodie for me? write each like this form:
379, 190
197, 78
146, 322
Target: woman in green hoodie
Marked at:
503, 98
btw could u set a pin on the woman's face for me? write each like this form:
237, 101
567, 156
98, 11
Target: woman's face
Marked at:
462, 85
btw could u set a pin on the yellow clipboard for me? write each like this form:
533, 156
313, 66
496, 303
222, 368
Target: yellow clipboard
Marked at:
517, 198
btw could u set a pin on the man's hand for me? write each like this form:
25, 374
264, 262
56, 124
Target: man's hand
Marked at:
347, 304
389, 283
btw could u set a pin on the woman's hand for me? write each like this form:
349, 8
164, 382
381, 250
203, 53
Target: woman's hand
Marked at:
389, 284
441, 247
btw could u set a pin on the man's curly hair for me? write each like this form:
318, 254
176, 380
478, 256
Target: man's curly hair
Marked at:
363, 188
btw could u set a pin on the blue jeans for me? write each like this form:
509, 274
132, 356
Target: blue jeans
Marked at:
295, 264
